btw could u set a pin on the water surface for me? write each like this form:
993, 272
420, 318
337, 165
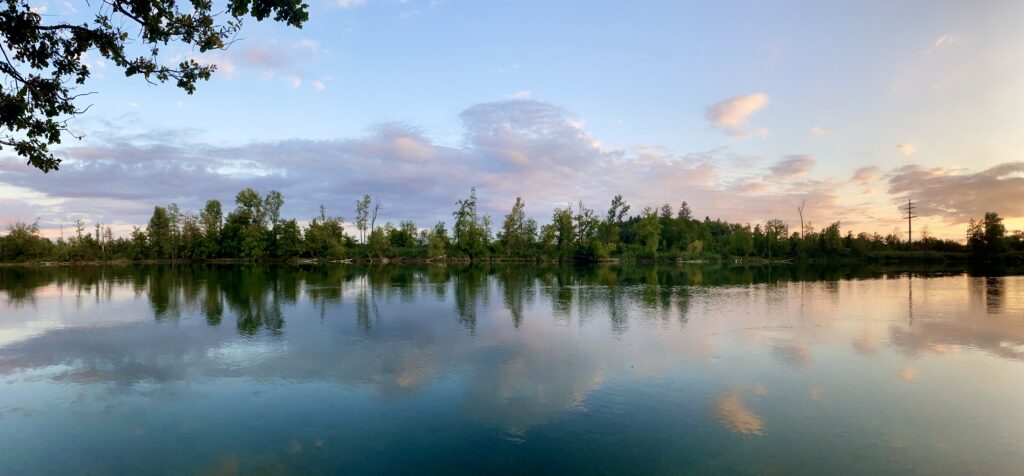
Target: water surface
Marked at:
336, 369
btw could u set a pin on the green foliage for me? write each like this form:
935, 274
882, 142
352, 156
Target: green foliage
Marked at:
563, 227
211, 219
695, 250
23, 243
158, 233
272, 204
988, 235
249, 204
405, 235
255, 230
325, 237
437, 242
378, 245
289, 240
741, 241
44, 57
649, 231
471, 231
518, 233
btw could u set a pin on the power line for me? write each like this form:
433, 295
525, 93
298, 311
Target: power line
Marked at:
910, 216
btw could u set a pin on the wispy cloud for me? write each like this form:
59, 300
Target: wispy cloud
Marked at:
907, 149
943, 41
731, 114
792, 166
266, 60
865, 175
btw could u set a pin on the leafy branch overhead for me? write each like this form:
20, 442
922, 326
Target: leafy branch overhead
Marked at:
42, 62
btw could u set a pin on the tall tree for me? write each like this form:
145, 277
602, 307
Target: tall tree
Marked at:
470, 231
272, 204
565, 232
373, 215
586, 224
649, 230
211, 220
684, 213
362, 216
513, 230
249, 202
158, 233
988, 235
618, 210
174, 215
775, 231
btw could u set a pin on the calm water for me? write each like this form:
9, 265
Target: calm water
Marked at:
279, 370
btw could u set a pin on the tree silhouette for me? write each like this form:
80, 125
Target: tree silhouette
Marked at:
42, 63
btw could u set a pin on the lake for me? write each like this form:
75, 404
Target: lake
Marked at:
508, 369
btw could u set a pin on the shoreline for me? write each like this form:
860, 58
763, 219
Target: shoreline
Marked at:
953, 261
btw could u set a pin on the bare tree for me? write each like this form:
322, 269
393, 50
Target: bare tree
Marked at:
373, 218
800, 210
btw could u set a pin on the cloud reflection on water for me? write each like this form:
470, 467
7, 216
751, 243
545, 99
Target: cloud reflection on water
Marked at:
524, 347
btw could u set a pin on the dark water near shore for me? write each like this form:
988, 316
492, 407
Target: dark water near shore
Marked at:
510, 369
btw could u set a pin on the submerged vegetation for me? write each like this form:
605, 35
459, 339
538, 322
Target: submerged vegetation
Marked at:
256, 231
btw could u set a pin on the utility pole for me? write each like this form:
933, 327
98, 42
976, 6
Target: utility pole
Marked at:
910, 219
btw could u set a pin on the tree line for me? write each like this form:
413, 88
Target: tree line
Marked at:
255, 230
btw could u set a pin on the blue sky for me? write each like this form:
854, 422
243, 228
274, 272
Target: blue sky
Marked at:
749, 107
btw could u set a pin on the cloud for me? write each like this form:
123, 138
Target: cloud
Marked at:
865, 175
944, 41
521, 94
350, 3
996, 334
319, 85
266, 59
510, 148
818, 131
731, 114
958, 194
730, 410
225, 67
792, 165
907, 149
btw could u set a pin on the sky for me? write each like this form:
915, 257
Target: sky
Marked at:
742, 109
